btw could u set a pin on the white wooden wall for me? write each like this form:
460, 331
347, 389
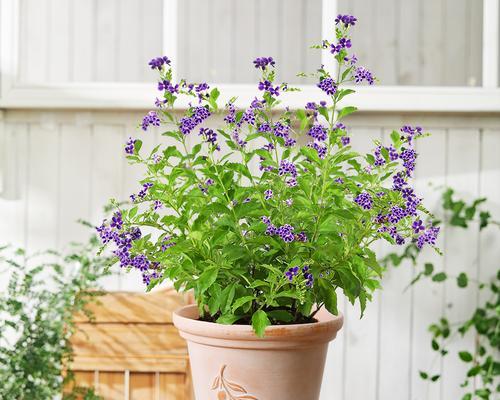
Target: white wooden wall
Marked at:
67, 164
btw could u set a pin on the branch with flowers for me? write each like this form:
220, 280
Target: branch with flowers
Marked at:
273, 245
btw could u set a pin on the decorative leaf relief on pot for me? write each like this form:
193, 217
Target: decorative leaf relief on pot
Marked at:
227, 390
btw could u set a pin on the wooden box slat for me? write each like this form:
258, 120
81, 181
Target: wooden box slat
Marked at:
130, 349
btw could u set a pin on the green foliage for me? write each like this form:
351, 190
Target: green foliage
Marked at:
43, 293
482, 358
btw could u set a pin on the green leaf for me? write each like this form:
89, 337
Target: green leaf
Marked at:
439, 277
280, 315
242, 301
207, 278
424, 375
434, 378
435, 345
462, 280
228, 319
259, 322
428, 269
346, 111
328, 295
465, 356
474, 371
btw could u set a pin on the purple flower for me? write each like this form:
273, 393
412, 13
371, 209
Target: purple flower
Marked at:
396, 214
166, 243
346, 20
167, 87
344, 43
145, 187
157, 158
411, 133
429, 236
291, 273
287, 167
280, 129
210, 137
157, 205
289, 202
340, 181
301, 237
361, 74
320, 149
264, 127
158, 62
318, 132
364, 200
328, 86
418, 226
151, 118
268, 87
263, 62
230, 118
308, 276
130, 146
409, 157
292, 182
340, 126
285, 232
398, 181
311, 106
268, 194
345, 140
116, 221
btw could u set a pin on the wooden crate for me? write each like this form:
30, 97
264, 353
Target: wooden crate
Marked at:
131, 350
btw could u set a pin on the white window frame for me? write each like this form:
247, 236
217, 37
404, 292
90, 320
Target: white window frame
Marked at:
13, 94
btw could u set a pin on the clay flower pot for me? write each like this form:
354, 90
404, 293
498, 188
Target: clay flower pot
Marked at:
230, 362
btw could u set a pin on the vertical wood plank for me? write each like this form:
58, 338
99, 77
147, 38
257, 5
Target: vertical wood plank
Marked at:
461, 253
244, 37
111, 385
454, 51
13, 210
83, 34
130, 31
172, 386
75, 171
106, 28
43, 186
220, 69
33, 41
292, 38
408, 44
474, 43
428, 297
432, 62
58, 54
142, 386
151, 29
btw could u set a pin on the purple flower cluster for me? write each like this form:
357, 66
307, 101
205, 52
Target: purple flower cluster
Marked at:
210, 137
287, 168
204, 186
166, 243
361, 74
318, 132
268, 87
320, 148
308, 276
345, 140
151, 118
344, 43
263, 62
130, 146
409, 133
199, 114
285, 232
123, 242
158, 62
429, 236
268, 194
328, 86
364, 200
230, 118
346, 20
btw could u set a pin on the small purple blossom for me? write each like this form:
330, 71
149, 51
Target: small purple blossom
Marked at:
328, 86
301, 237
285, 232
130, 146
157, 205
318, 132
263, 62
268, 194
230, 118
418, 226
158, 62
291, 273
361, 74
347, 20
210, 137
287, 168
345, 140
364, 200
151, 118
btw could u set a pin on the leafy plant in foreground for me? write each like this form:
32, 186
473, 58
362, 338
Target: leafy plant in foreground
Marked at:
37, 309
263, 246
481, 380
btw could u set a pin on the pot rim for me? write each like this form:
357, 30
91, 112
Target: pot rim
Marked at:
211, 333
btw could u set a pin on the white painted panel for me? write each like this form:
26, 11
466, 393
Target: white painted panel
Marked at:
75, 181
428, 297
13, 209
461, 253
43, 185
60, 50
83, 33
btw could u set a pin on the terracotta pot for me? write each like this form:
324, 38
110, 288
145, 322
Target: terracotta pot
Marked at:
230, 362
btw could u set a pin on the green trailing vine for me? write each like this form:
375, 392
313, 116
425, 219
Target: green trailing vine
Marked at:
44, 292
482, 378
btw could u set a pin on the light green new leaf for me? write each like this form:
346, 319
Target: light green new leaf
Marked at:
259, 322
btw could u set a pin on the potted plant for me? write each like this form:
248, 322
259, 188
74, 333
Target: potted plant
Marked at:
266, 250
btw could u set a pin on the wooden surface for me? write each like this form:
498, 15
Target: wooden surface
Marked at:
131, 350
